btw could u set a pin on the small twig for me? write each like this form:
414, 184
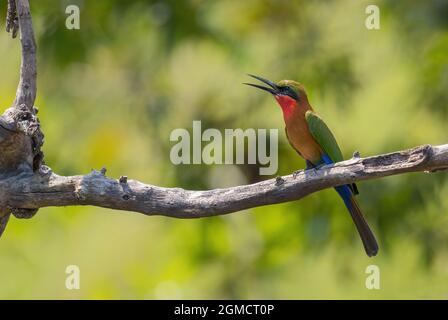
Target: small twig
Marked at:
26, 91
123, 179
12, 22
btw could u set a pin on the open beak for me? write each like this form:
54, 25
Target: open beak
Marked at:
272, 89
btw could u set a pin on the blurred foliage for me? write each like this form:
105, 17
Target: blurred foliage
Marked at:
111, 92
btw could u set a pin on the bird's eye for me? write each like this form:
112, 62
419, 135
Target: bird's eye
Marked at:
288, 91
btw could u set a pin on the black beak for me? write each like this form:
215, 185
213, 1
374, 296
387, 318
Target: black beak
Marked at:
274, 89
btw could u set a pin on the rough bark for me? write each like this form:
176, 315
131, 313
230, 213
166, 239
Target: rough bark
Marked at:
20, 135
50, 189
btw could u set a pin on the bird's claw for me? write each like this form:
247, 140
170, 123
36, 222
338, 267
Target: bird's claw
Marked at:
309, 165
296, 173
356, 155
318, 167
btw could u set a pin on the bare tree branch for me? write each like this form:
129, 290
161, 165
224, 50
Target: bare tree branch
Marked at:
20, 135
12, 23
35, 191
26, 91
21, 138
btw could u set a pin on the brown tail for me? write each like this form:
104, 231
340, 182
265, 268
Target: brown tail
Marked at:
367, 236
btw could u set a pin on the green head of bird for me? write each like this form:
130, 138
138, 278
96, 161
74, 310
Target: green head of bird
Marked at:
288, 93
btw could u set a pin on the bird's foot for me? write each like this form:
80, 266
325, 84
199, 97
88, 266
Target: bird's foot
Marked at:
318, 167
356, 155
309, 165
296, 173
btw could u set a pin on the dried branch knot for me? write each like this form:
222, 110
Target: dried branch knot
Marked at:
279, 181
12, 21
23, 213
27, 122
123, 179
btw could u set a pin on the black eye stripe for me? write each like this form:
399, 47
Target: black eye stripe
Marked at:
287, 91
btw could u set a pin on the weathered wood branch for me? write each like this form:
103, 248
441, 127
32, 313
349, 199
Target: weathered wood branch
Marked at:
20, 135
12, 22
26, 90
43, 190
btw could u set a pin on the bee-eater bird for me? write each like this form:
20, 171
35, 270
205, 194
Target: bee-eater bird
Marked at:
312, 139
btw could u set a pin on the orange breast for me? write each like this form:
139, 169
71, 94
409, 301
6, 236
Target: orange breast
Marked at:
301, 139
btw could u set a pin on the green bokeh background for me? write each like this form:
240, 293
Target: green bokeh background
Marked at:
110, 94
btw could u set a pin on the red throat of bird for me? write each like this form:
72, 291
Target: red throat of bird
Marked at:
287, 104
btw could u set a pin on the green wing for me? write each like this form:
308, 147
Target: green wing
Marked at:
322, 134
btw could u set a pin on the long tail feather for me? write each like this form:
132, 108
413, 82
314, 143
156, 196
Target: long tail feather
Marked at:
347, 193
367, 237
